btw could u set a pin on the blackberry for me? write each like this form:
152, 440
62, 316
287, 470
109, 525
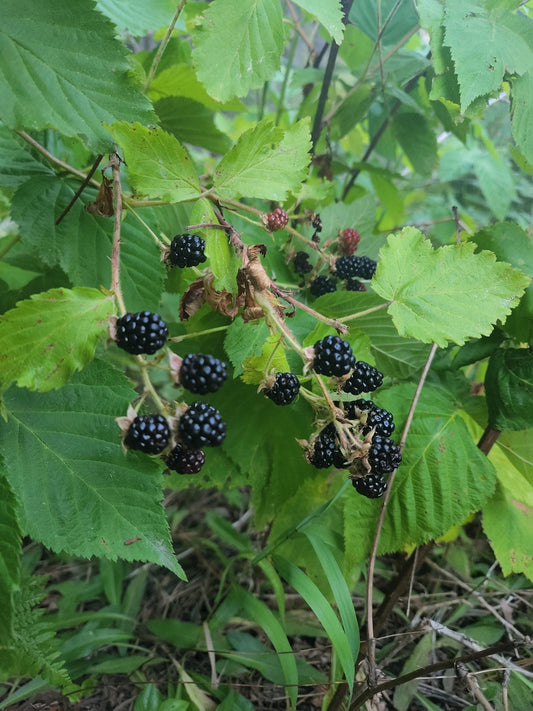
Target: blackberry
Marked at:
323, 452
354, 285
364, 379
317, 223
375, 416
276, 220
333, 356
185, 461
330, 432
322, 285
301, 263
384, 456
372, 486
349, 240
201, 425
202, 374
285, 388
187, 251
141, 332
364, 267
148, 433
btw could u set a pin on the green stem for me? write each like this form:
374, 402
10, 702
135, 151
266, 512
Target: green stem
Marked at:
206, 332
156, 239
149, 387
163, 46
288, 67
371, 310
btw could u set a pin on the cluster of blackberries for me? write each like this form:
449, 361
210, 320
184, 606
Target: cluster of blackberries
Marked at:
276, 220
366, 427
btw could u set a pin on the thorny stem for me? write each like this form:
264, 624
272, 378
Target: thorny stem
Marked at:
379, 526
334, 322
163, 46
114, 161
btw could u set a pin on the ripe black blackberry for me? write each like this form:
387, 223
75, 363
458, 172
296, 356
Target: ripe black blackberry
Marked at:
317, 223
364, 267
349, 240
141, 332
364, 379
371, 416
148, 433
276, 220
322, 285
285, 388
185, 461
201, 425
372, 486
323, 452
354, 285
301, 263
202, 373
187, 251
383, 456
347, 267
333, 356
330, 431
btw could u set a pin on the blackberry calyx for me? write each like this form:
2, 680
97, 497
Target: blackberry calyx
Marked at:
185, 461
148, 433
354, 285
201, 425
276, 220
333, 356
202, 373
285, 388
141, 332
301, 263
383, 456
349, 240
187, 251
372, 486
322, 285
364, 379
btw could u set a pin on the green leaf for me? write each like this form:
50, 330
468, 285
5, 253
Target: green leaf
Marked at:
14, 277
521, 113
223, 261
484, 45
351, 111
16, 160
508, 523
328, 13
138, 17
272, 354
359, 214
66, 70
244, 340
266, 162
495, 180
443, 476
10, 550
427, 288
159, 166
191, 122
418, 141
238, 46
85, 497
402, 14
48, 337
180, 80
509, 389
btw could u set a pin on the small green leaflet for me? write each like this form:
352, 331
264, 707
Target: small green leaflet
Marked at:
64, 68
238, 46
159, 166
447, 294
485, 44
266, 162
43, 340
272, 355
78, 491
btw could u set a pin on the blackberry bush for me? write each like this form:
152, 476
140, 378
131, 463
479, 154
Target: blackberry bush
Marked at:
201, 374
284, 390
333, 356
201, 425
148, 433
187, 251
142, 332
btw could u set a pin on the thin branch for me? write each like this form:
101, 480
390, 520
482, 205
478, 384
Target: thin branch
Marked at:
82, 187
474, 686
488, 439
163, 45
55, 161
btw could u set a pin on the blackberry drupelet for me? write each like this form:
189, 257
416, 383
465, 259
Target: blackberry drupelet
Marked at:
333, 356
364, 379
148, 433
364, 267
372, 486
201, 425
349, 240
185, 461
285, 388
322, 285
276, 220
202, 373
187, 251
383, 456
354, 285
141, 332
301, 263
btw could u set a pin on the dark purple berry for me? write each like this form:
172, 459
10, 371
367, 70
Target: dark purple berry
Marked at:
141, 332
202, 374
187, 251
201, 425
323, 452
285, 388
148, 433
322, 285
333, 356
364, 379
384, 456
364, 267
354, 285
301, 263
185, 461
372, 485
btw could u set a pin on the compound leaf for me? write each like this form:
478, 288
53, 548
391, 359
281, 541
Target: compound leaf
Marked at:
265, 163
427, 288
238, 46
159, 166
56, 76
78, 492
43, 340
